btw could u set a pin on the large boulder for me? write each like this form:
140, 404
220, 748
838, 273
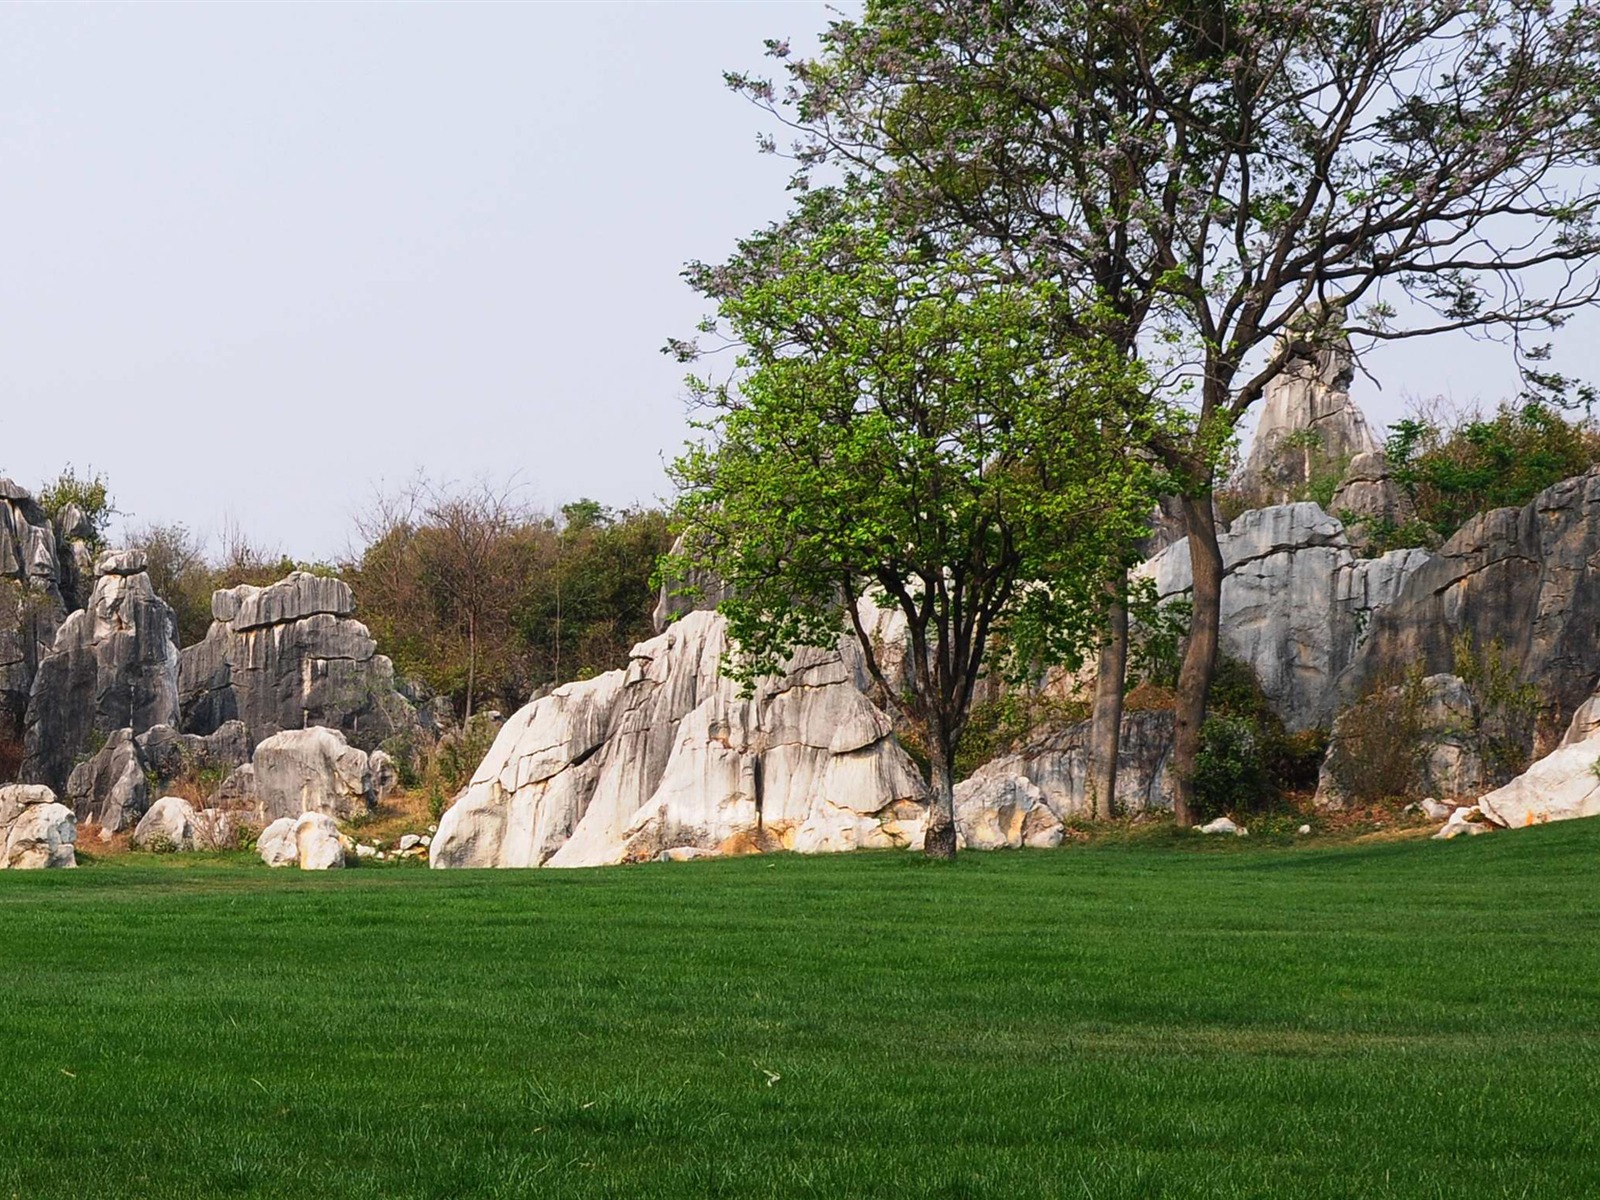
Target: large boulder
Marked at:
290, 656
277, 845
169, 824
1056, 767
1562, 785
317, 844
113, 665
1527, 578
32, 606
110, 789
667, 754
35, 832
311, 770
1296, 601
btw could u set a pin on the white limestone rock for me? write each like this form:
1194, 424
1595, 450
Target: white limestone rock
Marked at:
1223, 825
1559, 787
996, 812
317, 843
41, 836
168, 825
1462, 822
667, 754
277, 844
311, 770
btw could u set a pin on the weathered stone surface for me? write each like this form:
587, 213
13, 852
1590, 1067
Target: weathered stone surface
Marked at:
1296, 602
277, 845
666, 755
113, 666
997, 812
168, 825
317, 843
1225, 826
290, 656
311, 770
32, 605
385, 774
169, 755
1368, 492
42, 836
1559, 787
1527, 577
1057, 766
14, 797
1462, 821
1309, 426
1449, 761
110, 789
685, 592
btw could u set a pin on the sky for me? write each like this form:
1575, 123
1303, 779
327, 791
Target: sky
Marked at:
260, 260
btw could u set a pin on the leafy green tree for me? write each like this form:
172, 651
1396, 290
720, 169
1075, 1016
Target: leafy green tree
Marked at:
905, 429
90, 493
1211, 183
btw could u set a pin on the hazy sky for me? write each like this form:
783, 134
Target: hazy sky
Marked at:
258, 259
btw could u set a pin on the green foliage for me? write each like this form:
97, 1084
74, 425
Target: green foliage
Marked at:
1452, 473
1231, 771
92, 496
1248, 759
1009, 722
1156, 632
908, 430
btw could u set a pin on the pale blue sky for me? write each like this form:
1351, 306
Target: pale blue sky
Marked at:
258, 258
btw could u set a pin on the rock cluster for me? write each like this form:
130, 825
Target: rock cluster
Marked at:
1296, 601
310, 841
35, 831
290, 656
113, 665
667, 754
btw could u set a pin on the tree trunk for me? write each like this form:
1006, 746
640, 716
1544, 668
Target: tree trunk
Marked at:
1105, 735
940, 841
1200, 658
472, 661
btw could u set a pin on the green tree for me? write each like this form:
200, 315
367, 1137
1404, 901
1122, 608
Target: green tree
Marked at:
905, 429
1220, 183
90, 494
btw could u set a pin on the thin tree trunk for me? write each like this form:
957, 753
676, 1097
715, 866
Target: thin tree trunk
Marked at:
472, 660
1200, 658
940, 840
1105, 734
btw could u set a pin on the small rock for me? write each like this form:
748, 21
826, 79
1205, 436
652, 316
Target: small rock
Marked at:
1461, 822
365, 851
409, 841
1434, 810
1303, 830
1223, 825
686, 854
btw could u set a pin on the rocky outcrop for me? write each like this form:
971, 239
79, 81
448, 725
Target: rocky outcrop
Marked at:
1296, 602
168, 825
1527, 578
667, 754
110, 790
311, 770
35, 831
31, 604
1443, 739
1561, 786
276, 845
1056, 767
169, 755
290, 656
113, 666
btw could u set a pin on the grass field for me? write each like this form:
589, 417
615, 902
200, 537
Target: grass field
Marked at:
1413, 1019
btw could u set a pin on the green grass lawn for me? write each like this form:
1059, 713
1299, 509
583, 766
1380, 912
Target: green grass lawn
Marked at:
1414, 1019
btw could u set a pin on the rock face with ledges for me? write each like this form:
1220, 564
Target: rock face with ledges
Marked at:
289, 656
1296, 602
113, 666
1526, 577
31, 604
667, 754
311, 770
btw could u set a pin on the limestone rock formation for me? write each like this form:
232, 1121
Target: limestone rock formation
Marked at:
311, 770
289, 656
168, 825
277, 845
1056, 766
1296, 601
31, 604
1309, 426
113, 666
1449, 762
666, 754
1528, 578
35, 831
316, 842
168, 755
1367, 491
110, 790
1000, 812
1560, 786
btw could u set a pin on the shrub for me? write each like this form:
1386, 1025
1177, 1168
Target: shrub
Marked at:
1231, 770
1379, 752
1508, 711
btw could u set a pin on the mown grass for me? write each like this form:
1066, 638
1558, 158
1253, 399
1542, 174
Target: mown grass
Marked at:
1118, 1020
